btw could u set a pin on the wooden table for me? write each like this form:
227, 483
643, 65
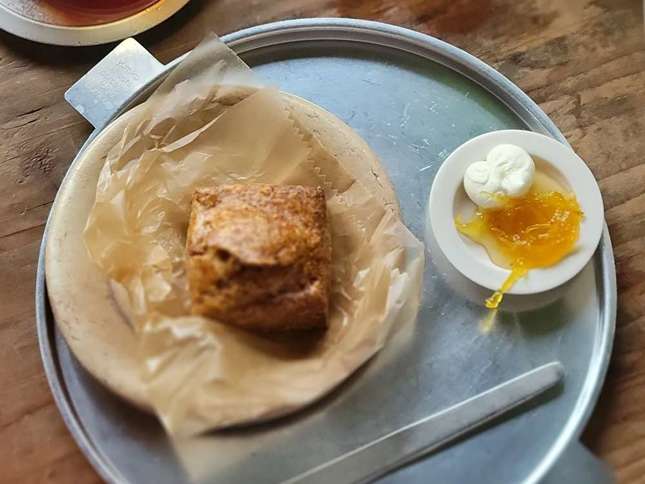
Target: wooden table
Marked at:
583, 61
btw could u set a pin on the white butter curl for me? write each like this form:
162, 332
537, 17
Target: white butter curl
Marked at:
507, 172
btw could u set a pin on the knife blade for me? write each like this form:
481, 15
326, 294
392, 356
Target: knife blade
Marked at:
420, 438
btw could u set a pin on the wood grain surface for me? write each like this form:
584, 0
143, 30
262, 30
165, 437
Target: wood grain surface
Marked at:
583, 61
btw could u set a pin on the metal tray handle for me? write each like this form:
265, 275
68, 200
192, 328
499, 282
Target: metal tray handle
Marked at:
578, 465
109, 85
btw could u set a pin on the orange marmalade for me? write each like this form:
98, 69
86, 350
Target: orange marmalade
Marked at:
536, 230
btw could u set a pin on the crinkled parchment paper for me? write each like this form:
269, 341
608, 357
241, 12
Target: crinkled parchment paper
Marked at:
201, 128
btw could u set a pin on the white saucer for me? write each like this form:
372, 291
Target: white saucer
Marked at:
448, 198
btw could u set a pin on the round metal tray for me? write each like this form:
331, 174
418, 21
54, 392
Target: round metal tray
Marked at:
414, 99
30, 20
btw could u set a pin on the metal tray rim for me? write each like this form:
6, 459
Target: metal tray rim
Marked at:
450, 56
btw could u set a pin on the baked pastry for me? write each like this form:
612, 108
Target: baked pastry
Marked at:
259, 256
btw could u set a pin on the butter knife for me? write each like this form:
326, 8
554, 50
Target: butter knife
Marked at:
420, 438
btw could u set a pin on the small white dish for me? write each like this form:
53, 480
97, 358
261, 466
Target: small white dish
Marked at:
448, 199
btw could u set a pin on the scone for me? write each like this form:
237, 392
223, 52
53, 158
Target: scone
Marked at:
259, 256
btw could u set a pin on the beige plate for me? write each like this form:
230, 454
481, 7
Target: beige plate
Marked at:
84, 306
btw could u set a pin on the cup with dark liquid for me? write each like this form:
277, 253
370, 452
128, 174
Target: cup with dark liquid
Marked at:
93, 12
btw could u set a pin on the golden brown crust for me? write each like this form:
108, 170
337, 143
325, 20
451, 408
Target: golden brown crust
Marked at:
259, 256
